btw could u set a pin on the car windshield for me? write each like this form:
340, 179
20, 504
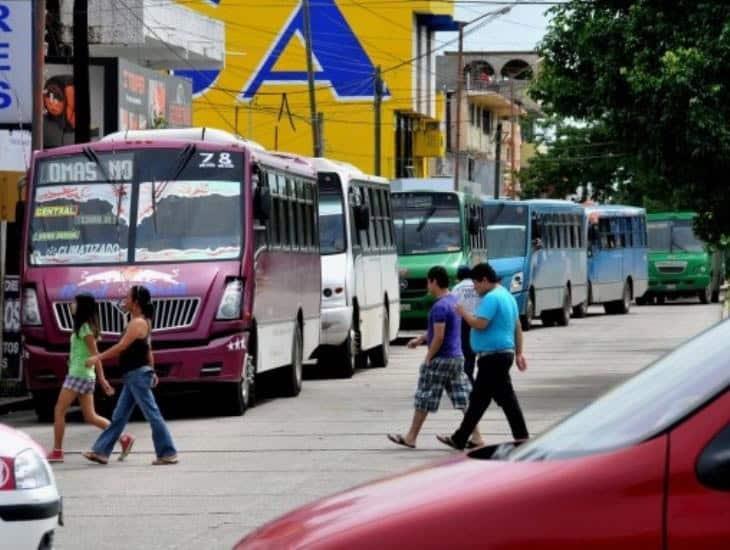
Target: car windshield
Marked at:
506, 230
642, 407
684, 238
182, 206
331, 215
427, 223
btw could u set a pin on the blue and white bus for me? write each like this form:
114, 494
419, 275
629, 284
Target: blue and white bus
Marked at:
538, 249
618, 268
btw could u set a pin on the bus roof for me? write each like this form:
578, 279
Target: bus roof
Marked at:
552, 205
323, 164
175, 139
432, 185
614, 210
208, 135
669, 216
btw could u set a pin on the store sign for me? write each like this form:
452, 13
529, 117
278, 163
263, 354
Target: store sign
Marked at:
11, 353
16, 106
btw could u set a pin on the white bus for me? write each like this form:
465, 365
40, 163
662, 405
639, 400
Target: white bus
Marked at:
360, 287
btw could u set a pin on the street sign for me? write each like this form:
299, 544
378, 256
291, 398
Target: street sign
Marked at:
16, 89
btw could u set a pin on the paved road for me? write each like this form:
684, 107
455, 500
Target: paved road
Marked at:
238, 472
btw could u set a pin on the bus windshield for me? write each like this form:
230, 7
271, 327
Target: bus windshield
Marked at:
182, 208
677, 236
506, 231
331, 216
427, 223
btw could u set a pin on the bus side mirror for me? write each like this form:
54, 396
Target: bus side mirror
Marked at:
262, 203
474, 225
362, 217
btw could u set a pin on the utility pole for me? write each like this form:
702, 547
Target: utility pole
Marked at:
498, 160
39, 25
459, 94
316, 144
81, 70
235, 119
378, 95
320, 133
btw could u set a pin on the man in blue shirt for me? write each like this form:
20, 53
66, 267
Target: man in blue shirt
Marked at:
443, 367
496, 338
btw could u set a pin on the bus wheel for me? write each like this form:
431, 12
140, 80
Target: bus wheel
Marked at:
715, 298
581, 310
705, 295
344, 357
44, 402
661, 299
239, 396
292, 374
641, 301
380, 356
526, 319
562, 316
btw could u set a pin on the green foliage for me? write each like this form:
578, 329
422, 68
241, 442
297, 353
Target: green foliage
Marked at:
651, 78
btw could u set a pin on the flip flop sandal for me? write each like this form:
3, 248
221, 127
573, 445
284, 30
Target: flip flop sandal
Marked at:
93, 457
446, 440
398, 440
165, 461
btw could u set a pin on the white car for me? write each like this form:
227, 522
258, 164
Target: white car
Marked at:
30, 507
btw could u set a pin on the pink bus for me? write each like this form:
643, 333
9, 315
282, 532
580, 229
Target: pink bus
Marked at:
224, 234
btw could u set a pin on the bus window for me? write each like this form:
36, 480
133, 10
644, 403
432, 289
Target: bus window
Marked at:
331, 216
536, 230
427, 223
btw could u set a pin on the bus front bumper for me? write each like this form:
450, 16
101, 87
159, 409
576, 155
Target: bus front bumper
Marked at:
335, 325
415, 307
677, 286
221, 360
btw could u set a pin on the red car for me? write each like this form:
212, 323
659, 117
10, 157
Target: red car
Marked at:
646, 466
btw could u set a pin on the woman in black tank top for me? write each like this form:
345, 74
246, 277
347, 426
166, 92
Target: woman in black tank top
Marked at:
136, 364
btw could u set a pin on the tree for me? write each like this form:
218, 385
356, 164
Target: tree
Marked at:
653, 77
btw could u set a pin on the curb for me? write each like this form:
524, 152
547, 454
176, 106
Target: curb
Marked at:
8, 405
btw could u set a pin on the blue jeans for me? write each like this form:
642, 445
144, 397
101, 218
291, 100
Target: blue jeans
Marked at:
137, 390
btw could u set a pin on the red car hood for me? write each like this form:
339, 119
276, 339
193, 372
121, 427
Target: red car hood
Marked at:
452, 488
467, 502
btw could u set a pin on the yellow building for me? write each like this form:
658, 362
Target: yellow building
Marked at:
261, 93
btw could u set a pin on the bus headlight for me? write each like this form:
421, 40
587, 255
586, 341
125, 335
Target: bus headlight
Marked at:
230, 306
31, 312
30, 472
517, 282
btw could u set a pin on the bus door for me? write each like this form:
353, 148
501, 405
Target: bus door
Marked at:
607, 280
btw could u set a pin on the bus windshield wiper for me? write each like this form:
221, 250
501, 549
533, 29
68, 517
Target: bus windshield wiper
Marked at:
425, 219
182, 160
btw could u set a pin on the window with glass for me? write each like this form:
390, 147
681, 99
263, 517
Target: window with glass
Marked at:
184, 206
426, 223
506, 234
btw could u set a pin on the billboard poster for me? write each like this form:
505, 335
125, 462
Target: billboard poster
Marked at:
59, 106
12, 348
15, 63
150, 99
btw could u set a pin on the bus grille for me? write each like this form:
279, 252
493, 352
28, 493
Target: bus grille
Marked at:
170, 313
671, 268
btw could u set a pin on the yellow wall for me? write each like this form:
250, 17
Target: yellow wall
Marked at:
252, 27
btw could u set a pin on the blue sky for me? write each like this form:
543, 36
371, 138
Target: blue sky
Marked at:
520, 29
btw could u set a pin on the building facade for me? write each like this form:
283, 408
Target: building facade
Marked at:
261, 92
494, 108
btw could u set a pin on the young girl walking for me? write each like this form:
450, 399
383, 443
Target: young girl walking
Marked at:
81, 380
136, 363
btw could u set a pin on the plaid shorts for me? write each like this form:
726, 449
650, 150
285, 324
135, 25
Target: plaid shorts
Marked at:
440, 375
79, 385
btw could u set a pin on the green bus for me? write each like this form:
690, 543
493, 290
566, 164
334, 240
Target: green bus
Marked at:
680, 263
434, 225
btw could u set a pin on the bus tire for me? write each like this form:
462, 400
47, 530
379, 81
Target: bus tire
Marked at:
705, 295
581, 310
380, 356
641, 301
292, 374
562, 315
526, 319
715, 298
344, 356
661, 299
240, 396
44, 402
